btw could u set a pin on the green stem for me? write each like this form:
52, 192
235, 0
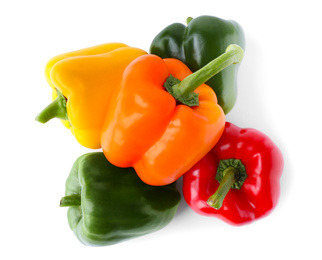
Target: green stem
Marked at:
184, 90
230, 177
189, 19
56, 109
71, 201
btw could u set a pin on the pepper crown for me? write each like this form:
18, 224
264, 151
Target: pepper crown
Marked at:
184, 91
231, 174
56, 109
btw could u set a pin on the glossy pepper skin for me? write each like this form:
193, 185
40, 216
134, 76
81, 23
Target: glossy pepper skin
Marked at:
204, 39
258, 194
149, 129
108, 205
88, 80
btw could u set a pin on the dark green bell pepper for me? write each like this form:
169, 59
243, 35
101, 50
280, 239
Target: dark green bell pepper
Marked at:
203, 40
108, 204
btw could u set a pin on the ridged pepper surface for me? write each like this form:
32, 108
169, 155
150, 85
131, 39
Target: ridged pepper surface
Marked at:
164, 119
145, 112
84, 82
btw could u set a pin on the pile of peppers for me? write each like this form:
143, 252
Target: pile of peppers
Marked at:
157, 117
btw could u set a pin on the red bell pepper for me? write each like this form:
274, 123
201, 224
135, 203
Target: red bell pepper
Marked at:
238, 180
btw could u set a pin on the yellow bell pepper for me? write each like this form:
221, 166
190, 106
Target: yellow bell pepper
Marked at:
86, 98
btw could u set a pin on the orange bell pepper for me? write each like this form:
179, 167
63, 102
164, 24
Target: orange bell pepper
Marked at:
84, 82
146, 129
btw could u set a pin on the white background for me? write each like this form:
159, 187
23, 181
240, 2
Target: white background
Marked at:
280, 91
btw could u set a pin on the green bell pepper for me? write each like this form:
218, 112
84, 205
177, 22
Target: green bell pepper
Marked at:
108, 204
203, 40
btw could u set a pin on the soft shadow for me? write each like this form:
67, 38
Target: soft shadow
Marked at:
183, 206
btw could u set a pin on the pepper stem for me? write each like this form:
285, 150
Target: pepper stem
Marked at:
189, 19
231, 174
70, 201
184, 91
227, 182
56, 109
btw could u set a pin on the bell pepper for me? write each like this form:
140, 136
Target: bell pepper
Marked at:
160, 133
108, 205
202, 40
238, 180
84, 82
59, 110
